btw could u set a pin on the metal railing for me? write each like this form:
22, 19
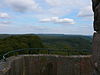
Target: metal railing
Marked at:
50, 51
46, 51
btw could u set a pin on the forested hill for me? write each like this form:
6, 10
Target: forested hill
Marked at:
4, 35
66, 41
14, 42
58, 41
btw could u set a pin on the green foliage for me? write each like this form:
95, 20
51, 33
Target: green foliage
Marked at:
71, 42
19, 42
68, 42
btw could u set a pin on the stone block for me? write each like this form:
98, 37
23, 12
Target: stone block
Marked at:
48, 65
96, 52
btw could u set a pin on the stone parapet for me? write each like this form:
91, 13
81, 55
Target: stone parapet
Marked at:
96, 37
47, 65
96, 53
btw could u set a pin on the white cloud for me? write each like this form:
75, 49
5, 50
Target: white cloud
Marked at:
5, 22
23, 5
50, 8
25, 29
54, 2
59, 11
68, 3
46, 29
64, 7
1, 3
4, 15
86, 12
58, 20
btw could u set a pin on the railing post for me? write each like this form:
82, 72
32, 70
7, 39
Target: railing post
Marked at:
4, 58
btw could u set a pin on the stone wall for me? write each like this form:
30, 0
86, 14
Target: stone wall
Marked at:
96, 38
46, 65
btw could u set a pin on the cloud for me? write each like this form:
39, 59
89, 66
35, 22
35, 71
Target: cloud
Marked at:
46, 29
86, 12
68, 3
58, 20
54, 2
5, 22
59, 11
1, 3
50, 8
25, 29
4, 15
23, 5
63, 7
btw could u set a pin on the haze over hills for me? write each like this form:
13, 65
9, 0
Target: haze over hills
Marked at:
66, 41
61, 41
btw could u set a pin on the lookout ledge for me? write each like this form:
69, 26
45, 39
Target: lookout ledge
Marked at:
46, 65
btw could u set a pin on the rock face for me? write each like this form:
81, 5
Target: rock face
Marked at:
96, 38
96, 9
46, 65
96, 53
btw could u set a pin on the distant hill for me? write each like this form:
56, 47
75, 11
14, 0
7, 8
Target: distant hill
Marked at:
4, 35
67, 41
57, 41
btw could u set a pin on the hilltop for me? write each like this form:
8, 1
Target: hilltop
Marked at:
70, 42
53, 41
60, 41
14, 42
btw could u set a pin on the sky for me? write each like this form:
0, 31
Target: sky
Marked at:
46, 17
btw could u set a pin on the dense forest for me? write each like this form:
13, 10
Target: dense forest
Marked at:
14, 42
53, 41
67, 41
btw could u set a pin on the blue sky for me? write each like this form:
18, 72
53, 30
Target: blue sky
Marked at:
46, 17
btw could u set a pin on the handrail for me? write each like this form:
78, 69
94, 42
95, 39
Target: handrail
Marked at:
49, 50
